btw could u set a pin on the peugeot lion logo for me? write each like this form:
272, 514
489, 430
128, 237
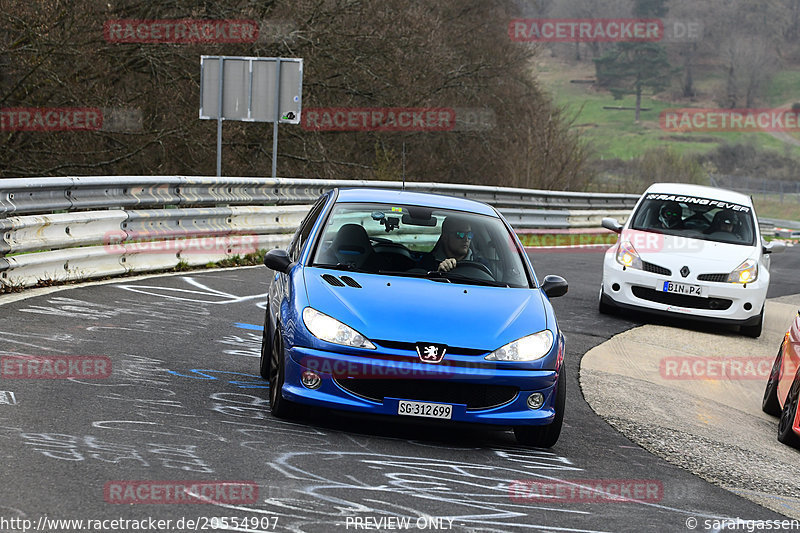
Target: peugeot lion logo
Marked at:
431, 353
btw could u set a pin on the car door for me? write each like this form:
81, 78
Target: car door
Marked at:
280, 288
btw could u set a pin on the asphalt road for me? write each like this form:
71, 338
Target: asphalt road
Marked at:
184, 403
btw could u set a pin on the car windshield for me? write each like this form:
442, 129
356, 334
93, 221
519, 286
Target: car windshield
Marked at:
695, 218
403, 240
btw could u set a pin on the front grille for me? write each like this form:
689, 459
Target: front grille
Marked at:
681, 300
411, 347
716, 278
655, 269
474, 396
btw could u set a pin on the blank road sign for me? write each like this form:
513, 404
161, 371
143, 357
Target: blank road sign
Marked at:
249, 85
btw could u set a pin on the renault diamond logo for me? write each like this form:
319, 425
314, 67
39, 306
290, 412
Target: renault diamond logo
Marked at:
431, 353
685, 271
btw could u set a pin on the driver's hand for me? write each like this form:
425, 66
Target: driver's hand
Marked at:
447, 265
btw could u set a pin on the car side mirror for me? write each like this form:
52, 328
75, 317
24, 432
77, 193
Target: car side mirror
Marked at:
278, 260
612, 224
774, 247
554, 286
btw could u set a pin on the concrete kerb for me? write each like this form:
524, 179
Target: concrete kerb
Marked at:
712, 427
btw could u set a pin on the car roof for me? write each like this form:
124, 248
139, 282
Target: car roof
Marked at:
701, 191
388, 196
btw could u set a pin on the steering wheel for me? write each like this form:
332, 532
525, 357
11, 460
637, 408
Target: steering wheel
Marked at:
476, 265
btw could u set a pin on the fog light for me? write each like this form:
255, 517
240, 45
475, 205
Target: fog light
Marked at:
535, 400
310, 380
615, 287
748, 306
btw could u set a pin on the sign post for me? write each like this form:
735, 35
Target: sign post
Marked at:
251, 89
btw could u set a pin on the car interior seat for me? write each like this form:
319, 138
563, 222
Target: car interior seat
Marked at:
351, 246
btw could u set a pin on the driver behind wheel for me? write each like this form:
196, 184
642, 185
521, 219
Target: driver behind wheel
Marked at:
724, 221
453, 246
670, 215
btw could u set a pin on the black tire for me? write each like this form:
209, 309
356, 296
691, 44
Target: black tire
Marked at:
280, 406
603, 307
753, 331
770, 404
546, 436
785, 433
266, 349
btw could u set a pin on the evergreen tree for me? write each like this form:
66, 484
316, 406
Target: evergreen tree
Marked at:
629, 68
650, 8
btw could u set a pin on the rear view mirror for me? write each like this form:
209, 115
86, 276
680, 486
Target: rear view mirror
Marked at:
554, 286
612, 224
774, 247
278, 260
413, 221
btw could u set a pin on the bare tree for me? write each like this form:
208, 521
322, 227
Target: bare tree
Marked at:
357, 53
687, 50
750, 63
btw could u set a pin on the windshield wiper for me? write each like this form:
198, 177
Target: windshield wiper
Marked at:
473, 281
449, 277
403, 273
342, 266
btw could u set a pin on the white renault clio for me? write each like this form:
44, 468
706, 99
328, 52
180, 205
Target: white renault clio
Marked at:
690, 251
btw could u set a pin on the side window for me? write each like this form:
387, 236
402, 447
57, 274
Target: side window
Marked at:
301, 235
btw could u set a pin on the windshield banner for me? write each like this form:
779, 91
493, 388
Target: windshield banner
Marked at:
698, 201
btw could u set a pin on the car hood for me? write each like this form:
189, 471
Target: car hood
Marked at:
702, 257
414, 310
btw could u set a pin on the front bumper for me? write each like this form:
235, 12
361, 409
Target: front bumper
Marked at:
331, 367
634, 289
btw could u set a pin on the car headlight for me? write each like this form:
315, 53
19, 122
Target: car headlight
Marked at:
329, 329
628, 256
528, 348
747, 272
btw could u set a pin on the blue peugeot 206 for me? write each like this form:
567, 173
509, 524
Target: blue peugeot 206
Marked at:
414, 305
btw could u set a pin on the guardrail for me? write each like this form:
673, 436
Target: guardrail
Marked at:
62, 229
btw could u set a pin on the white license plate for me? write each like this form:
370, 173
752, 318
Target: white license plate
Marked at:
430, 410
683, 288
